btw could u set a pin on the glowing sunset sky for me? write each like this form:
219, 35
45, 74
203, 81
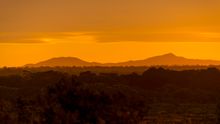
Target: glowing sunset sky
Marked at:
107, 30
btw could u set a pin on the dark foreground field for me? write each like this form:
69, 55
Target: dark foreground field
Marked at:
128, 95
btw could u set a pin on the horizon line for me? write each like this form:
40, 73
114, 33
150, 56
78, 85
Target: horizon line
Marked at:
169, 53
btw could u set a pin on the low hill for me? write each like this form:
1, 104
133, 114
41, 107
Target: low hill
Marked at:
166, 59
63, 61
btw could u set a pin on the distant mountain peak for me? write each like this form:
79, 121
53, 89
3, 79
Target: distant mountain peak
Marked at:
65, 59
169, 54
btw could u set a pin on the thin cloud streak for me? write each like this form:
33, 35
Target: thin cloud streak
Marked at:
105, 37
43, 37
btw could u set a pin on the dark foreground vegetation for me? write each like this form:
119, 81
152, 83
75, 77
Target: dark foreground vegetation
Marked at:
156, 96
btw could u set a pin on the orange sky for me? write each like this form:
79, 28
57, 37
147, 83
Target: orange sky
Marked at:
107, 31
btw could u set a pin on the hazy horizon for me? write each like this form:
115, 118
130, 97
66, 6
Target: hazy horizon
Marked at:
106, 62
168, 59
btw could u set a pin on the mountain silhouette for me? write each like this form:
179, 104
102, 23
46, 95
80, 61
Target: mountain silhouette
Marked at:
64, 61
166, 59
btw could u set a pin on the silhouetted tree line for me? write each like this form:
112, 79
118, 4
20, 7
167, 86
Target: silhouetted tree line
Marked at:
202, 86
77, 70
54, 97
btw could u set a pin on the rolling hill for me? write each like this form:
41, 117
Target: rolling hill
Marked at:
166, 59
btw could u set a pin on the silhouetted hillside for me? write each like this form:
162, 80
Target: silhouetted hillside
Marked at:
167, 59
156, 95
63, 61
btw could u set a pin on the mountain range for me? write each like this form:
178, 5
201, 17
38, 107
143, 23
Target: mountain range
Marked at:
166, 59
